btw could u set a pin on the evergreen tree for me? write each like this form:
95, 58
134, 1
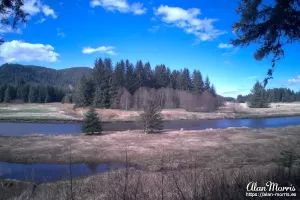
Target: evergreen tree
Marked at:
91, 124
151, 116
174, 80
161, 76
85, 92
33, 94
8, 96
120, 73
113, 92
198, 85
212, 90
22, 92
140, 74
41, 94
258, 97
207, 83
131, 83
2, 92
271, 25
185, 80
148, 82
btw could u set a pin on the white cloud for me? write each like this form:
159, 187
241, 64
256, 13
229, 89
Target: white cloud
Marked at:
225, 46
119, 5
188, 20
227, 62
103, 49
48, 11
16, 51
42, 20
95, 3
60, 33
234, 51
295, 80
8, 29
153, 29
33, 7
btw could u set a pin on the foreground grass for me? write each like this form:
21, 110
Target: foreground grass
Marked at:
226, 148
208, 165
182, 184
57, 112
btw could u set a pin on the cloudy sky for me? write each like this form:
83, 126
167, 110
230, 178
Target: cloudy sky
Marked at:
192, 34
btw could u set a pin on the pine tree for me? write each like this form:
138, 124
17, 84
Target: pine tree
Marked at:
41, 94
174, 80
140, 74
85, 92
213, 90
2, 92
22, 93
148, 76
207, 83
198, 85
151, 116
113, 92
258, 97
270, 24
33, 94
8, 94
120, 73
101, 85
185, 80
91, 123
161, 76
131, 82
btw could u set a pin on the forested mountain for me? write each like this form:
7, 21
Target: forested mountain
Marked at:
13, 73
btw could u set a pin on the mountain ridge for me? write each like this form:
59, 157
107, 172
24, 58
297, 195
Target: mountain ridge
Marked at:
12, 73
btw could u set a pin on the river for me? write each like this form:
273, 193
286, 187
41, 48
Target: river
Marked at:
19, 129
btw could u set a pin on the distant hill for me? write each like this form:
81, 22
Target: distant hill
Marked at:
12, 73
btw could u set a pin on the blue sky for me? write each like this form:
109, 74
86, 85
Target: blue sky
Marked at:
192, 34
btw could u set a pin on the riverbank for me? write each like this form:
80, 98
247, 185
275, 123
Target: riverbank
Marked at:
226, 148
64, 113
170, 165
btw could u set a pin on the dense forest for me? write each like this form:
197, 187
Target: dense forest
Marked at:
14, 73
31, 93
275, 95
128, 86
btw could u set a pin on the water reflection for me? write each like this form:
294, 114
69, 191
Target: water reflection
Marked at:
51, 172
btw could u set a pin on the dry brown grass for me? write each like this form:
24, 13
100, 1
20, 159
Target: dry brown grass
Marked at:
235, 147
131, 184
66, 112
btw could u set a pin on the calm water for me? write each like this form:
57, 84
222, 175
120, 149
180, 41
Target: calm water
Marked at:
18, 129
51, 172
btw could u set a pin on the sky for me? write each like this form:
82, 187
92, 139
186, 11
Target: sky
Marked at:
179, 34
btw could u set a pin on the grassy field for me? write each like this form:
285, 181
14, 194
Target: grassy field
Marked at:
172, 165
232, 147
55, 112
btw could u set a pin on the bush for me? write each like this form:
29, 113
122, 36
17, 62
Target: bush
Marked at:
91, 124
151, 116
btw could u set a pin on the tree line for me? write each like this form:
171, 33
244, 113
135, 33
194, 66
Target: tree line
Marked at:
128, 86
31, 93
274, 95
